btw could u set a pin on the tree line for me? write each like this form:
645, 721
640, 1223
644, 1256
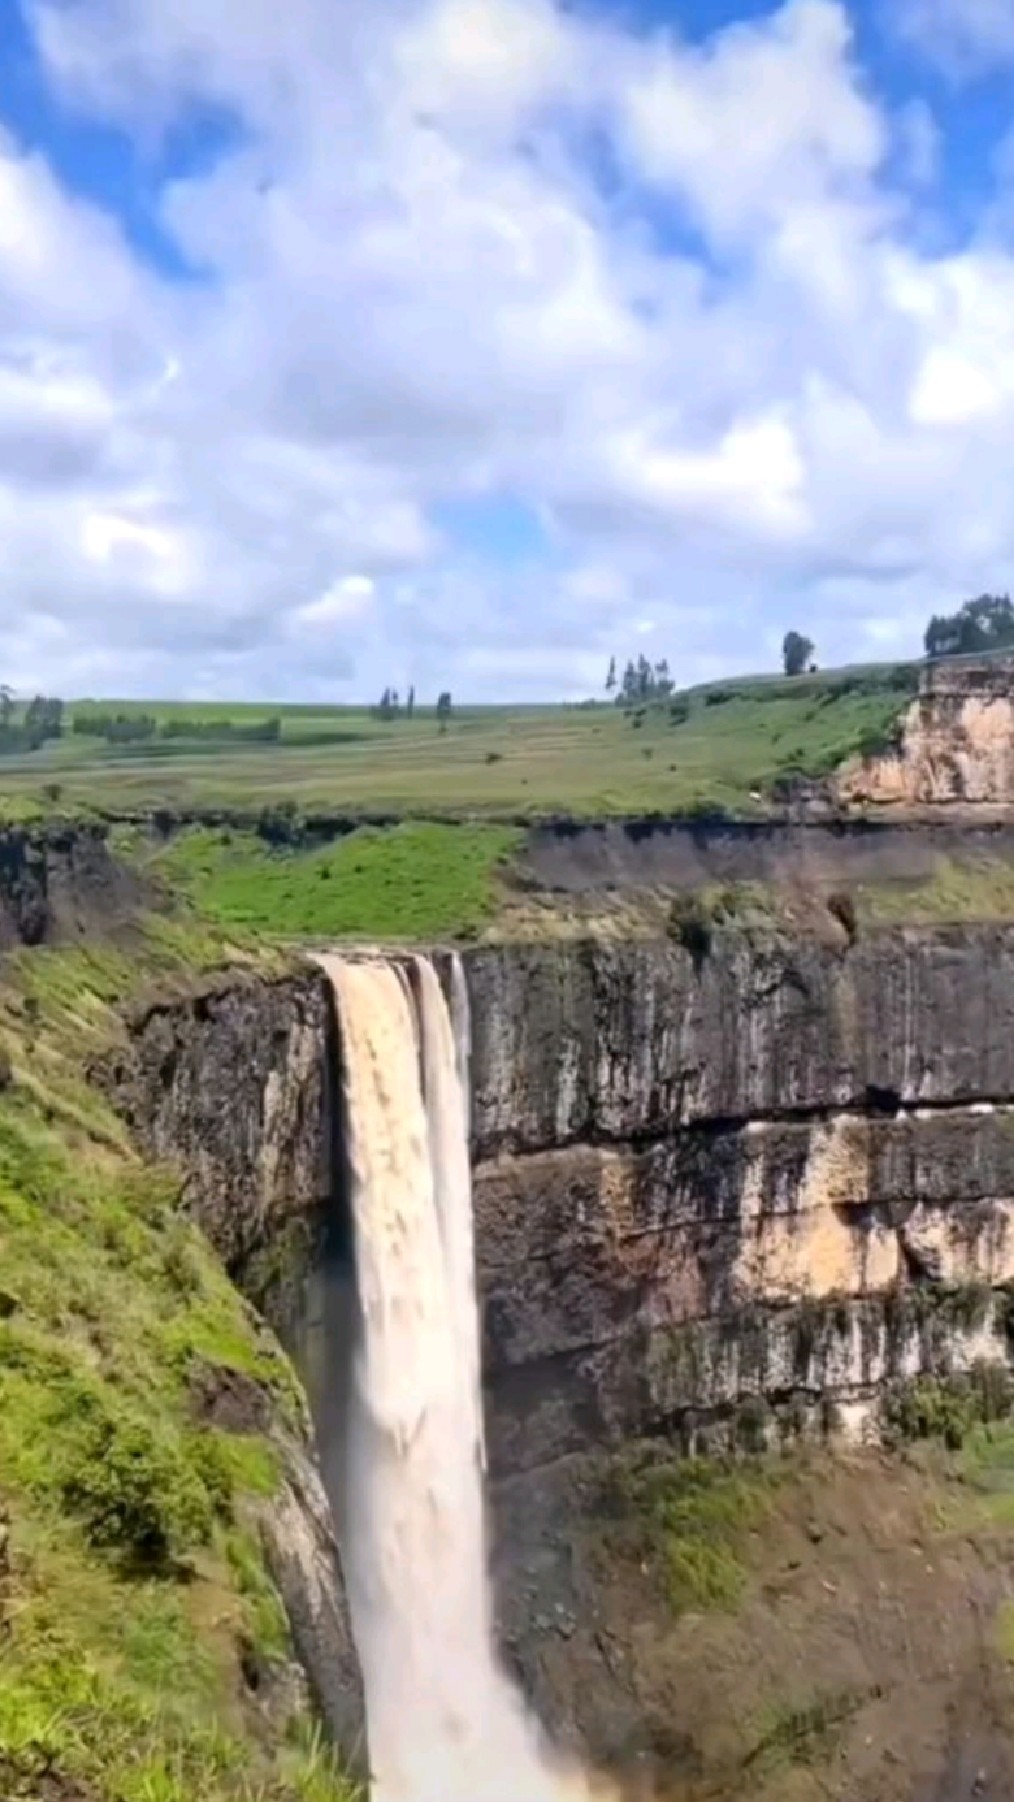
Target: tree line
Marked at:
641, 681
41, 719
985, 624
137, 728
391, 707
978, 626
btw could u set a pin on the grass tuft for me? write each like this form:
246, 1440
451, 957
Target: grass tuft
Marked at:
695, 1515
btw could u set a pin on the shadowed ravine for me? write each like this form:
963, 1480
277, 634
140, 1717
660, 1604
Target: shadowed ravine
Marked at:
444, 1725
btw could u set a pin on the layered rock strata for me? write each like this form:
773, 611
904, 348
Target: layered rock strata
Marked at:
774, 1172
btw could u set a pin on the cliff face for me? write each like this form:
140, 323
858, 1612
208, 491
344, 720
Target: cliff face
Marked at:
233, 1085
734, 1189
754, 1184
61, 883
956, 742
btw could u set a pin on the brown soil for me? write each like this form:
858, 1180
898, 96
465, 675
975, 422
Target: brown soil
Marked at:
21, 1782
862, 1663
228, 1399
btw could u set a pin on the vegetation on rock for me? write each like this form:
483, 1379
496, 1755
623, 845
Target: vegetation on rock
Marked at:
143, 1650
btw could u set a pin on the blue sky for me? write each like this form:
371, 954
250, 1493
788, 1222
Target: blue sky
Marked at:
386, 340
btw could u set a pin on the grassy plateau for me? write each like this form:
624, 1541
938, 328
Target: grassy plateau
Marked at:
718, 746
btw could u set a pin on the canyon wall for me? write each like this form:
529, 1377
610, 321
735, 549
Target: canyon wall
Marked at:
752, 1186
955, 743
722, 1193
233, 1084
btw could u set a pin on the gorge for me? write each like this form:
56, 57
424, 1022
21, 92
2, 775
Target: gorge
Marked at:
745, 1194
729, 1146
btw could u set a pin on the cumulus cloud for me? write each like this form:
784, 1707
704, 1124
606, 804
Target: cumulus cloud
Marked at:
666, 295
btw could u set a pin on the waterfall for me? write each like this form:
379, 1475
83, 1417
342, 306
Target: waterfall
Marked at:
444, 1724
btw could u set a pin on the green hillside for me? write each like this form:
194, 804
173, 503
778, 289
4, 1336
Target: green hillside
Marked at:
724, 745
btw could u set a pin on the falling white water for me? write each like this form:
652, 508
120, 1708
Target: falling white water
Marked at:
444, 1724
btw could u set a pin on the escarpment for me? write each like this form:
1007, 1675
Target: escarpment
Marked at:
760, 1182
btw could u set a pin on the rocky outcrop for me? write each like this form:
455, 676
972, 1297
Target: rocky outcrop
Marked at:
672, 1290
59, 883
305, 1565
955, 743
609, 862
683, 1163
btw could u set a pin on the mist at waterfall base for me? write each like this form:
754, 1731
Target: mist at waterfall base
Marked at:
444, 1724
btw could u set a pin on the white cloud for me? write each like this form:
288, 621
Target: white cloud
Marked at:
347, 599
764, 118
966, 37
919, 142
727, 381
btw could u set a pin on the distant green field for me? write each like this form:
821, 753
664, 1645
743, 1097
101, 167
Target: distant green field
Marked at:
721, 746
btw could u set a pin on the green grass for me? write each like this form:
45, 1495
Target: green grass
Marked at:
695, 1516
420, 880
127, 1516
134, 1584
736, 738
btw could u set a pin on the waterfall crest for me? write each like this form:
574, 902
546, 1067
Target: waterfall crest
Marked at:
443, 1722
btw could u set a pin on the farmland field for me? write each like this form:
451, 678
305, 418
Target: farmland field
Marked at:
722, 746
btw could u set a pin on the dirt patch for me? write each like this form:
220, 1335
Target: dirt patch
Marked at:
228, 1399
25, 1780
856, 1660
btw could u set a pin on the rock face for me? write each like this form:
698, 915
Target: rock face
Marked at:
754, 1183
956, 742
612, 1044
61, 883
233, 1086
750, 1186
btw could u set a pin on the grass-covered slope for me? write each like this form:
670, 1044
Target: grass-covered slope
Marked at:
421, 880
144, 1653
709, 747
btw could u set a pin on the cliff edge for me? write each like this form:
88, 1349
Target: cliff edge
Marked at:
954, 744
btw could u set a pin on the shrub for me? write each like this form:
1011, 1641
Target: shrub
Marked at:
948, 1408
281, 824
129, 1483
